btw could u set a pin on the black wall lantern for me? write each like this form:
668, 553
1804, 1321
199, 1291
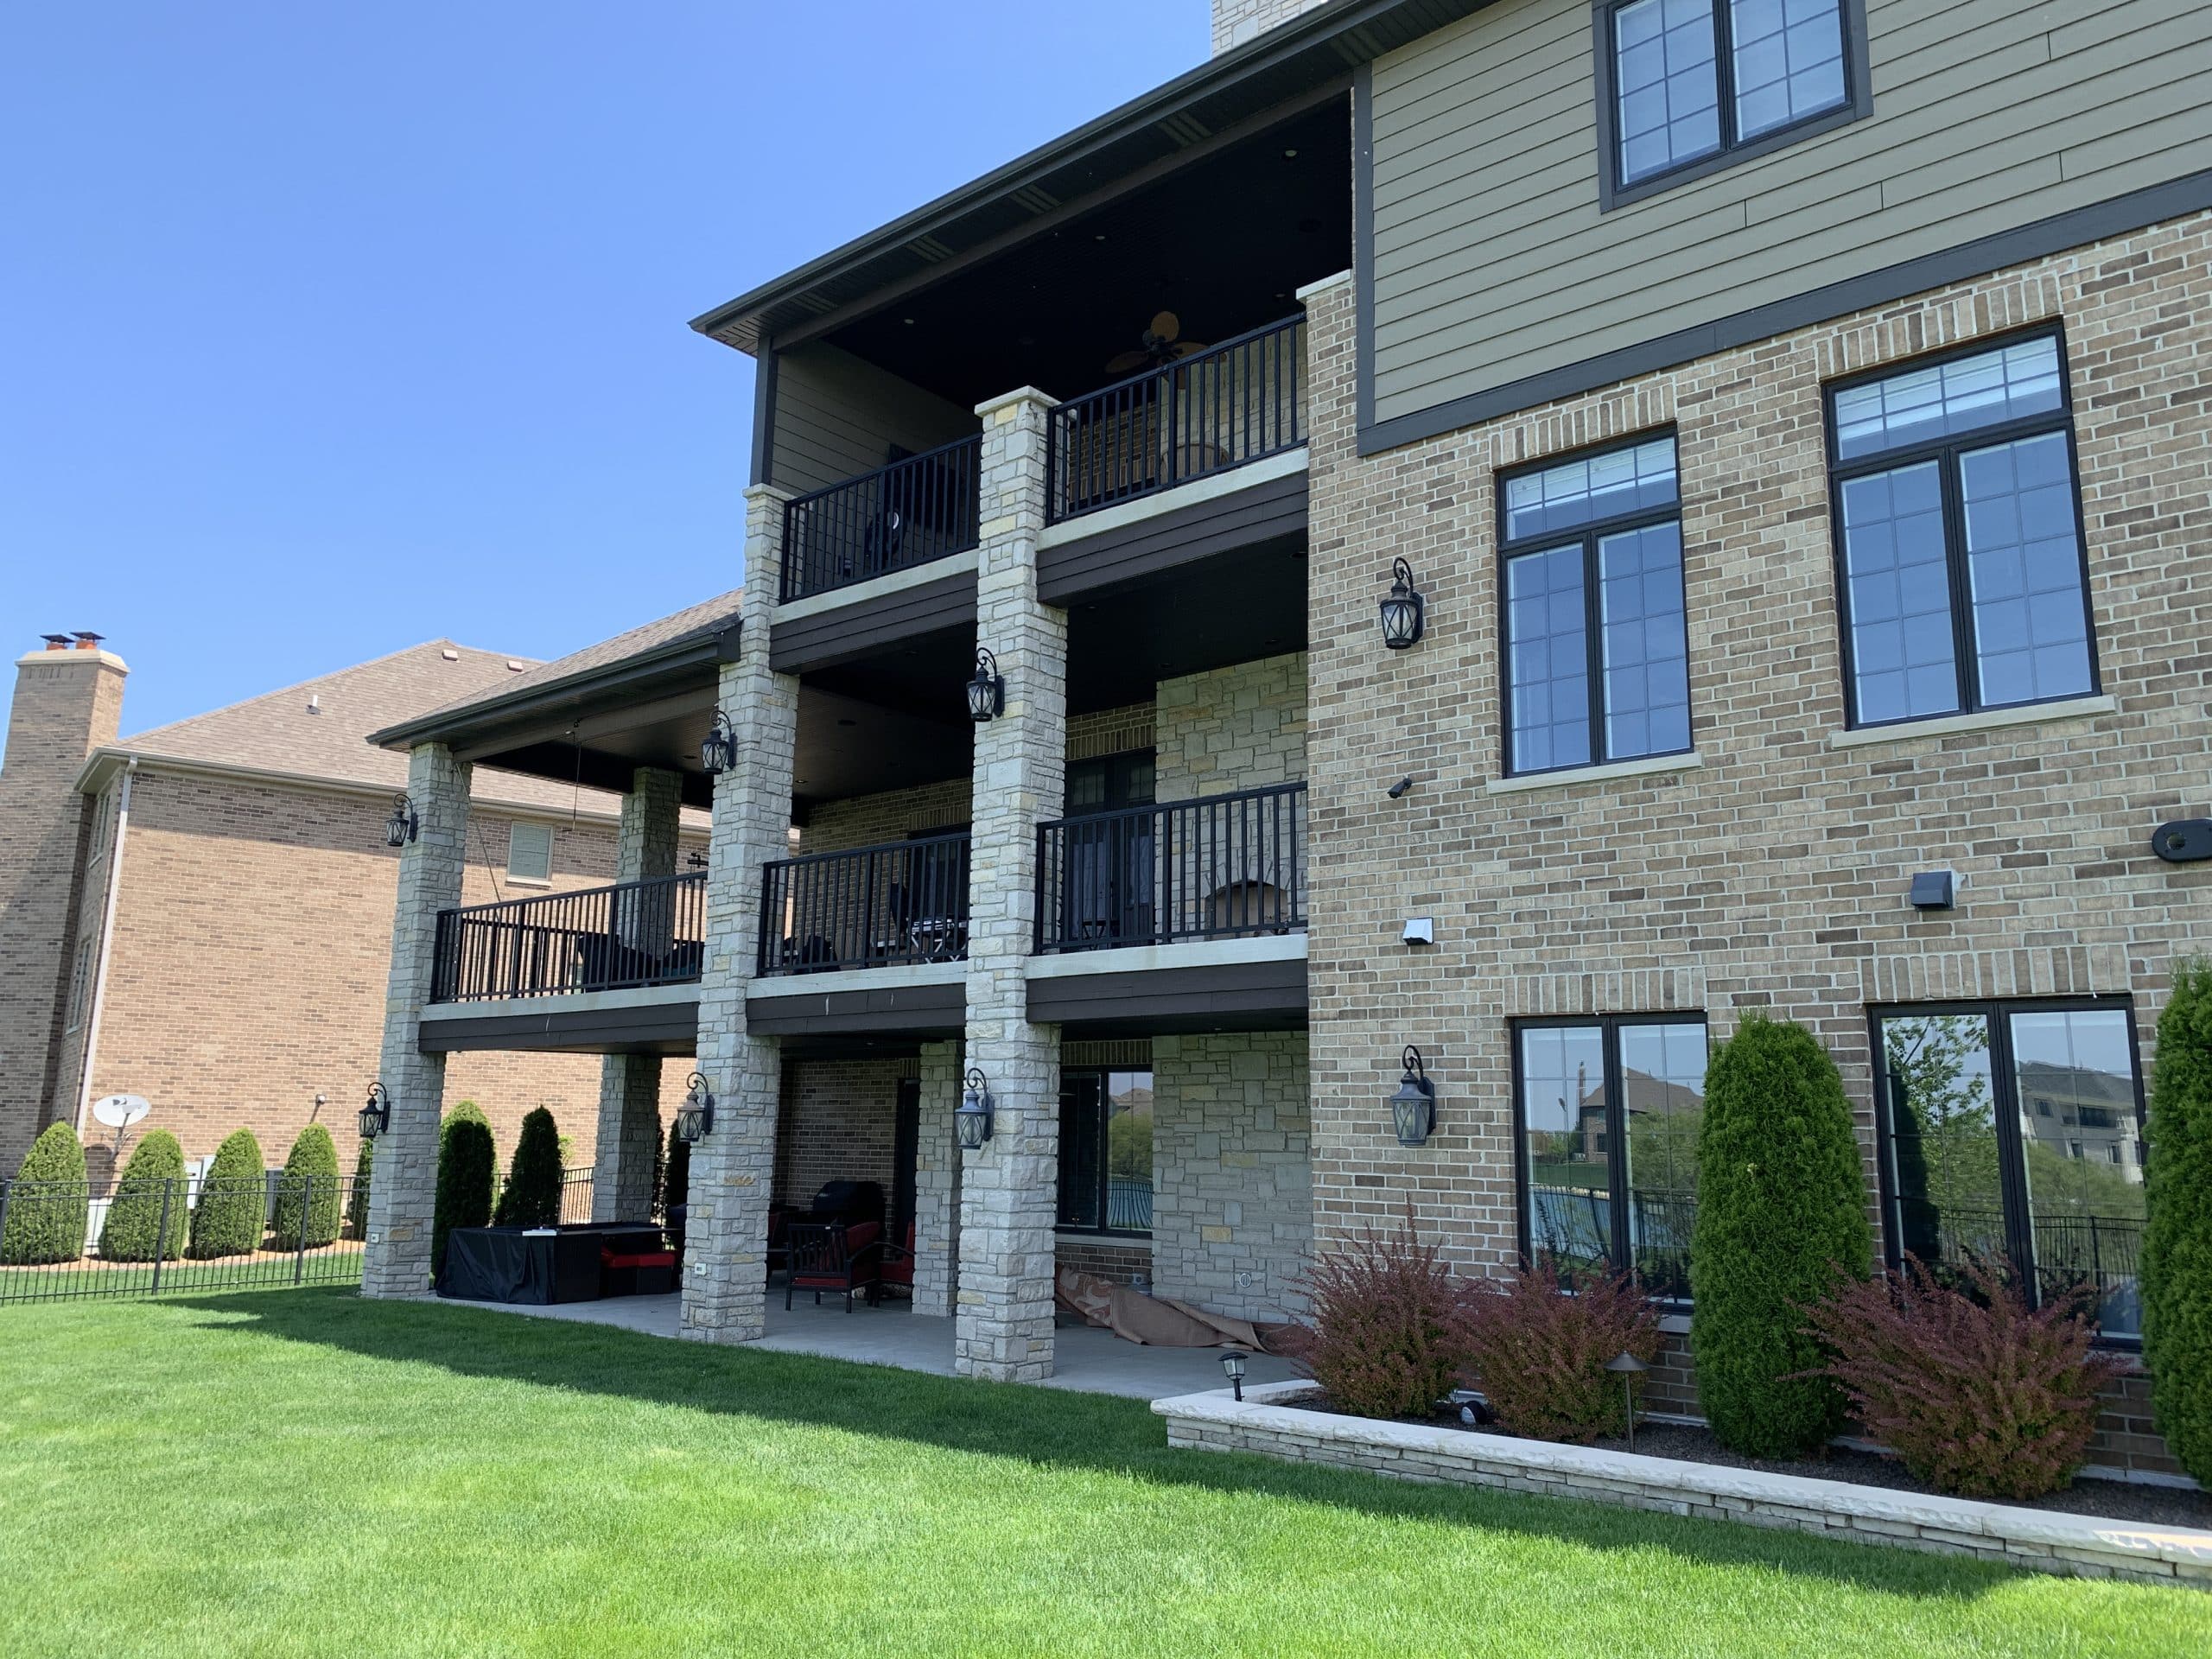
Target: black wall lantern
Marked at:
973, 1120
987, 691
376, 1116
1413, 1107
1401, 611
718, 749
402, 826
696, 1115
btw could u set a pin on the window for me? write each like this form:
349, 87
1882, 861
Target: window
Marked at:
530, 852
80, 985
1106, 1151
1692, 81
1969, 1166
1608, 1113
1593, 617
1959, 541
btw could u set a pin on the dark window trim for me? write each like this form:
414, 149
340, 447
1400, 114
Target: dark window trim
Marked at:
1592, 634
1858, 103
2019, 1240
1945, 451
1104, 1230
1617, 1174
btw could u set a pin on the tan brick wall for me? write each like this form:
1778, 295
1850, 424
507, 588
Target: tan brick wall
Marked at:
1772, 876
838, 1122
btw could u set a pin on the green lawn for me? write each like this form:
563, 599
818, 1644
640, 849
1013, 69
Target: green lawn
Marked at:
307, 1472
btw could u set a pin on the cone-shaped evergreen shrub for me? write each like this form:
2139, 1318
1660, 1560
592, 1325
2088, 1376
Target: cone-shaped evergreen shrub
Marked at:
676, 1188
466, 1162
2178, 1240
153, 1177
1781, 1211
233, 1201
46, 1208
310, 1183
532, 1197
357, 1201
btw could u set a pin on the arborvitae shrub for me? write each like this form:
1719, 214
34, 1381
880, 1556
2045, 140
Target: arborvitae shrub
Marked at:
1539, 1354
1780, 1212
154, 1176
233, 1201
2177, 1266
532, 1197
676, 1188
46, 1209
357, 1201
1389, 1336
467, 1163
310, 1181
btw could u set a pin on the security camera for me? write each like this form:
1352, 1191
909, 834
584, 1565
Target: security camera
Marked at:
1401, 787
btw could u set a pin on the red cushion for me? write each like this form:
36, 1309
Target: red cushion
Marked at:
859, 1238
645, 1259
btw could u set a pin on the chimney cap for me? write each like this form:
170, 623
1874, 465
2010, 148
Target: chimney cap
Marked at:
87, 640
56, 641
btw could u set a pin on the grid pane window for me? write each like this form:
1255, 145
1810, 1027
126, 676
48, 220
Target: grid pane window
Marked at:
1597, 642
1787, 61
1963, 583
1668, 84
1564, 1118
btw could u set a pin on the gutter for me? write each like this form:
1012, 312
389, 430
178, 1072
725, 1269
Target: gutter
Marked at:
102, 950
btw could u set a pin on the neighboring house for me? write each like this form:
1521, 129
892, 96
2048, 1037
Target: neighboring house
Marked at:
207, 920
1797, 441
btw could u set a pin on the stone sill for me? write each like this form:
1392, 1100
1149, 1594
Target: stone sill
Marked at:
2045, 1541
2030, 714
1650, 766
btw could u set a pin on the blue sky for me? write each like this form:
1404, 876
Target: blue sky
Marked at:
329, 328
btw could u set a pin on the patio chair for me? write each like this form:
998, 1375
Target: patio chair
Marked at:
834, 1258
897, 1273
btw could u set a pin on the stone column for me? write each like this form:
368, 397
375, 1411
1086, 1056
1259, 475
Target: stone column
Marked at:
629, 1084
1003, 1307
937, 1182
402, 1187
733, 1170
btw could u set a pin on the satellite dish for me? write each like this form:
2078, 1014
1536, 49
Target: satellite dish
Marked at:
121, 1111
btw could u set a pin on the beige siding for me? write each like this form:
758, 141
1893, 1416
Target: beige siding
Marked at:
837, 417
1492, 262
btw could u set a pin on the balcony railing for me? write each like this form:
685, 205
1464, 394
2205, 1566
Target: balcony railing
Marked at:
910, 512
869, 907
1226, 868
611, 938
1242, 401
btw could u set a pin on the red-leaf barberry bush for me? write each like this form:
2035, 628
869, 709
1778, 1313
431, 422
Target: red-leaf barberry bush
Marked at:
1979, 1393
1388, 1336
1540, 1344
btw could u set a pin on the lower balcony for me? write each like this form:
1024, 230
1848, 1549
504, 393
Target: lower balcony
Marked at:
880, 907
627, 936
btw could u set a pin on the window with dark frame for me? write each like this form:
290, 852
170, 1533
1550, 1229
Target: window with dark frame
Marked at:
1959, 563
1596, 639
1106, 1151
1694, 79
1607, 1114
2013, 1130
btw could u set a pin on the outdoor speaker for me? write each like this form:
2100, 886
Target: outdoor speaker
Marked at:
2184, 841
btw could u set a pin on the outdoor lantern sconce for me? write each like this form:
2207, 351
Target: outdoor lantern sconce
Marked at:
718, 749
376, 1116
1413, 1107
987, 691
973, 1120
1232, 1367
1401, 611
696, 1115
1627, 1367
402, 826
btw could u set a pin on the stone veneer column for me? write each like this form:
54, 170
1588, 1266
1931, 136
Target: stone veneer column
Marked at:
733, 1170
937, 1182
404, 1188
1003, 1307
629, 1084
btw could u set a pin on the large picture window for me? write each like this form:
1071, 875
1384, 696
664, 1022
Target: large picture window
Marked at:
1607, 1118
2014, 1131
1596, 646
1958, 532
1106, 1151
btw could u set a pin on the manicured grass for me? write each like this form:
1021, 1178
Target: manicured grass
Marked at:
307, 1472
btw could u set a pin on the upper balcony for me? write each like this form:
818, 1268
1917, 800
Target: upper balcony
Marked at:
627, 936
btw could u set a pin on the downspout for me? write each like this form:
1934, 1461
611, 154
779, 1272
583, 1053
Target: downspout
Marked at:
107, 938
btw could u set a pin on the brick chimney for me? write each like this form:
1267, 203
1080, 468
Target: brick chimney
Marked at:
1235, 21
68, 702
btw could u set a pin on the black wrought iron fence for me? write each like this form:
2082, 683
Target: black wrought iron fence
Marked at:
575, 1194
1228, 867
868, 908
631, 934
1242, 401
913, 512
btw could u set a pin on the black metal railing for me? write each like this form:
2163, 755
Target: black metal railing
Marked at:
867, 907
634, 934
1228, 866
1242, 401
908, 513
575, 1193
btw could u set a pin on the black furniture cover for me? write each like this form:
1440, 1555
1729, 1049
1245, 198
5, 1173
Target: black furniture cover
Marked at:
506, 1264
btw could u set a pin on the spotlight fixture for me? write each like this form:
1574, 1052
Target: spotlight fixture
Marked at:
1413, 1103
1627, 1367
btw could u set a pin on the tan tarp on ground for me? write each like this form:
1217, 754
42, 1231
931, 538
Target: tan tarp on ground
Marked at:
1156, 1321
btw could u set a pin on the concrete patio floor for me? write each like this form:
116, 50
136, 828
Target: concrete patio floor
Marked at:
1087, 1360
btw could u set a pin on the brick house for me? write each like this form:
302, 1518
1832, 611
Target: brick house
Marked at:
1797, 443
141, 951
